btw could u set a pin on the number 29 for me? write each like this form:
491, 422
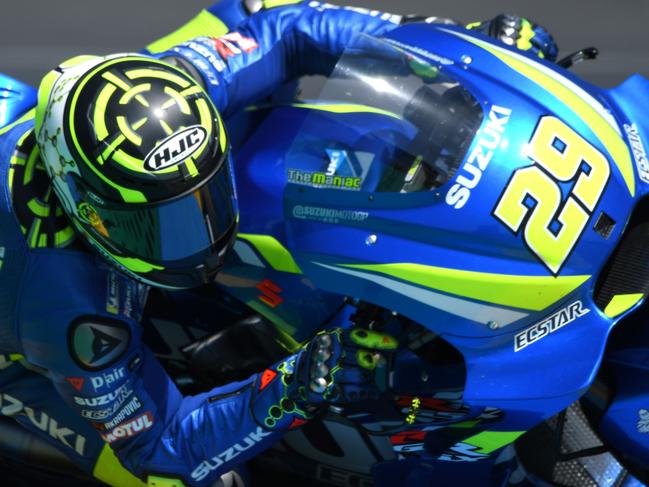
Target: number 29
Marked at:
561, 155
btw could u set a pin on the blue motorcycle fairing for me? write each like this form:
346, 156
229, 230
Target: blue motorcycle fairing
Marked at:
16, 98
513, 362
631, 98
619, 403
517, 383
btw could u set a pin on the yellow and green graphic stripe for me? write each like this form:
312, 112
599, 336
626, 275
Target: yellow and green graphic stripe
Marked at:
273, 252
476, 296
525, 292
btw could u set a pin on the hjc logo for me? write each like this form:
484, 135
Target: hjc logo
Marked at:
175, 148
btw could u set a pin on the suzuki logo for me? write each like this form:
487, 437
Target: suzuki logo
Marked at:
11, 406
270, 293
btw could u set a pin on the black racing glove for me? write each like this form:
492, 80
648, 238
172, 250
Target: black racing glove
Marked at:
521, 33
337, 367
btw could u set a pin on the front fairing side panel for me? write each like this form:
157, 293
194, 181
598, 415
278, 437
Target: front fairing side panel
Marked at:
340, 238
632, 99
422, 229
625, 420
528, 385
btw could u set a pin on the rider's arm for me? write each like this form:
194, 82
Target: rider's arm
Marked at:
106, 375
280, 44
274, 46
103, 371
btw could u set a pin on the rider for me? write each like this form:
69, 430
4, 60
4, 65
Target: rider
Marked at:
138, 156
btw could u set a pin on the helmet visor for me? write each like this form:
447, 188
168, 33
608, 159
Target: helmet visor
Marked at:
179, 243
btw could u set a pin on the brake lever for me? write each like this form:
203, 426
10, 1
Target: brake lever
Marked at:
577, 57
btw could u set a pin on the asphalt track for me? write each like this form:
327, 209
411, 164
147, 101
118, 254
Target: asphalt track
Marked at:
36, 34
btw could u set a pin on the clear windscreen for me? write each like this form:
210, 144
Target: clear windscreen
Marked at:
385, 121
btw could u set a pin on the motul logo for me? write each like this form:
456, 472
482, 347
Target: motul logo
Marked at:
176, 148
129, 429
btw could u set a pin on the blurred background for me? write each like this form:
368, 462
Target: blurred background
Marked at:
37, 34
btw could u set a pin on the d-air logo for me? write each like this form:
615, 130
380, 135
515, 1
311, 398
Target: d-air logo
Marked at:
204, 468
176, 148
471, 172
10, 406
551, 324
95, 345
639, 153
107, 378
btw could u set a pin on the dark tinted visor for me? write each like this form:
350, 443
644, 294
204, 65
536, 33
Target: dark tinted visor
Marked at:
182, 236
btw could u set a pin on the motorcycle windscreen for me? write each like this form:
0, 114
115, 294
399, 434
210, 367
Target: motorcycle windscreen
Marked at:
385, 121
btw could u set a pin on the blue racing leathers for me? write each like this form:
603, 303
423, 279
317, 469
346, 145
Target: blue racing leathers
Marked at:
75, 369
275, 46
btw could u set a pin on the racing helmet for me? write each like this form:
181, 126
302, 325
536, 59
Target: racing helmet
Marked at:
139, 158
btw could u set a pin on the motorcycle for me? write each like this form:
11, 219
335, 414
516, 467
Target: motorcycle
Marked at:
485, 207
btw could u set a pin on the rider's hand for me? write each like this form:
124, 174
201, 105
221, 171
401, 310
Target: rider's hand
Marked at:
339, 366
521, 33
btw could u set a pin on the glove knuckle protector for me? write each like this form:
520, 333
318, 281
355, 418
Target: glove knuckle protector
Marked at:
519, 32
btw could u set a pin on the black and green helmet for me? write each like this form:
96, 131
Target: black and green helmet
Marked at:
140, 160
